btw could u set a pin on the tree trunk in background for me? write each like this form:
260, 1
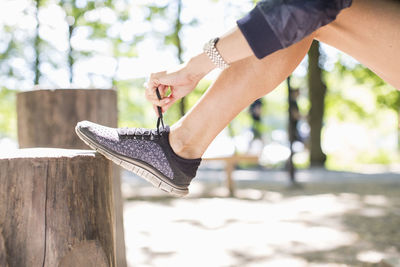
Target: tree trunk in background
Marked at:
47, 118
178, 43
317, 91
37, 47
291, 134
70, 54
56, 209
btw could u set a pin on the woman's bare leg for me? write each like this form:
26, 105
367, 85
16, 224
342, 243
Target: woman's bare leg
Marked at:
369, 31
235, 89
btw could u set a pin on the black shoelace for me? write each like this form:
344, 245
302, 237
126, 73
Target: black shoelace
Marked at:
141, 133
160, 115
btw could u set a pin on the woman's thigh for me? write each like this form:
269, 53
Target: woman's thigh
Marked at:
369, 31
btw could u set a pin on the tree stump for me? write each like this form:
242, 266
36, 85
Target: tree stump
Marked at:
56, 209
47, 118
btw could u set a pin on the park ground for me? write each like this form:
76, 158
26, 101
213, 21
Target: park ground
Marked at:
333, 219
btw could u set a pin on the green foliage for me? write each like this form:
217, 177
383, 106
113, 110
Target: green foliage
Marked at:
156, 11
361, 74
379, 157
386, 95
389, 98
359, 96
344, 109
8, 116
133, 108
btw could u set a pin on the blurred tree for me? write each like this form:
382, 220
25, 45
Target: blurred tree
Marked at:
174, 36
317, 91
43, 51
37, 42
122, 48
40, 45
75, 11
73, 15
176, 40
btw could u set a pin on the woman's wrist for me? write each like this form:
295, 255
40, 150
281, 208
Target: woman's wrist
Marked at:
200, 65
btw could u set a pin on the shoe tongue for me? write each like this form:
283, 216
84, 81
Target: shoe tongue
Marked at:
165, 129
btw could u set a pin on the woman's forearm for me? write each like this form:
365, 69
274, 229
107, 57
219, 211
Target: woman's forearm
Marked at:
232, 46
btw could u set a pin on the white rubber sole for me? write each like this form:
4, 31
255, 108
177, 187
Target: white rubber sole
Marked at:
136, 167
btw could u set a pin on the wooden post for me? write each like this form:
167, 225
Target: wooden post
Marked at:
47, 118
56, 209
229, 167
230, 163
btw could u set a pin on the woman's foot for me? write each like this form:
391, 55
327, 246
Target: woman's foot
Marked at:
147, 153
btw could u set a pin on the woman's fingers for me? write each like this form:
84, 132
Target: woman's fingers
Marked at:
168, 104
179, 84
151, 94
161, 103
154, 84
163, 90
162, 82
165, 104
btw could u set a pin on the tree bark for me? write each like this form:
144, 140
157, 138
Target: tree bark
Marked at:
56, 205
3, 256
47, 118
317, 91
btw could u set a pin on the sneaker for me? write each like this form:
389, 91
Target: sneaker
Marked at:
147, 153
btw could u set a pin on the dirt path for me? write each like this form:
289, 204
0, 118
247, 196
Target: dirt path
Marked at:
321, 224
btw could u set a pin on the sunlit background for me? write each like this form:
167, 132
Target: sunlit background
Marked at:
50, 44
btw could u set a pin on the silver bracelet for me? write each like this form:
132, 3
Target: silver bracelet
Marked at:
214, 55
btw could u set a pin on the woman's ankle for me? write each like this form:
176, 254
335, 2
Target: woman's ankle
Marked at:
182, 146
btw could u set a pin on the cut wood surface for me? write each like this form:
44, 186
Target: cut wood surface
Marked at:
56, 205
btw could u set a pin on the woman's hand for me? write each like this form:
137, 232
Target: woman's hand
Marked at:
181, 81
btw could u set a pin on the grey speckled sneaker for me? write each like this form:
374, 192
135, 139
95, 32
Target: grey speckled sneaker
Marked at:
145, 152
